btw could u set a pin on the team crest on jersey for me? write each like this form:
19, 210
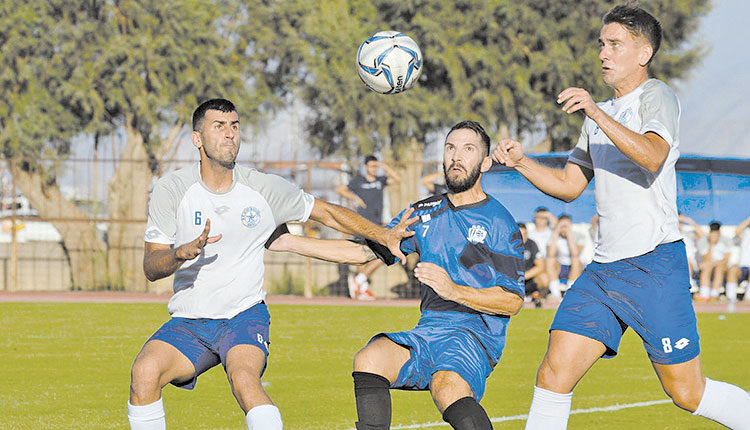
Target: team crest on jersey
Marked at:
625, 116
477, 233
250, 216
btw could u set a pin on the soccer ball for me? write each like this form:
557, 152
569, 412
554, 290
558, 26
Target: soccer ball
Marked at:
389, 62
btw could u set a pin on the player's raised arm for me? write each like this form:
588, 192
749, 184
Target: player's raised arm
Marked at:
493, 300
565, 184
648, 150
160, 260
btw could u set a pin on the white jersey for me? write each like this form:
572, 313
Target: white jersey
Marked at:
227, 277
637, 209
744, 244
541, 238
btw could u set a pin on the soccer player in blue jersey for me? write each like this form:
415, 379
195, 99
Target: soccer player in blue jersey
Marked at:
472, 280
639, 276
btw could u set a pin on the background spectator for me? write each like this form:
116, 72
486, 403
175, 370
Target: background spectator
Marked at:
366, 191
535, 272
740, 271
714, 255
563, 250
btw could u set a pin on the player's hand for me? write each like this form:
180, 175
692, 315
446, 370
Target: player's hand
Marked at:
576, 99
192, 249
360, 203
436, 278
398, 232
508, 152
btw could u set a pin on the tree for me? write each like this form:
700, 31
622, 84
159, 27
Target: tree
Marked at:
136, 66
500, 62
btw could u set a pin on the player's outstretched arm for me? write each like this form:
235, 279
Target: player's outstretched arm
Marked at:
347, 221
160, 260
493, 300
334, 250
565, 184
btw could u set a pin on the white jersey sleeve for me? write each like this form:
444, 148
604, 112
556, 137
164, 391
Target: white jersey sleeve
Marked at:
580, 153
659, 111
161, 225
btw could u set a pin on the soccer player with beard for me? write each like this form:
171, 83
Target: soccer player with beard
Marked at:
218, 309
472, 280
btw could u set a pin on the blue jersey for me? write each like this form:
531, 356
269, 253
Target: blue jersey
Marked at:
479, 245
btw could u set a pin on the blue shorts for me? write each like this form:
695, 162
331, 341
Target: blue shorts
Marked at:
564, 272
650, 293
468, 344
205, 342
744, 274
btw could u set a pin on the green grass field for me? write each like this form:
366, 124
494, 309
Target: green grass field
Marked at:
66, 366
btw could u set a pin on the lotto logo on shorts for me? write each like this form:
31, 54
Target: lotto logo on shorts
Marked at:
680, 344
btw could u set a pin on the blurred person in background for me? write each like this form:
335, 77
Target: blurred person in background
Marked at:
740, 272
535, 273
691, 236
628, 146
366, 193
434, 183
563, 263
544, 223
713, 253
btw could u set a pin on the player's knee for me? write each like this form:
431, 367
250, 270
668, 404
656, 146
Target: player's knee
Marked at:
685, 396
243, 378
144, 378
365, 360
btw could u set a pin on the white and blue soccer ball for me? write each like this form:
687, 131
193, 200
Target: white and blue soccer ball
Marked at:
389, 62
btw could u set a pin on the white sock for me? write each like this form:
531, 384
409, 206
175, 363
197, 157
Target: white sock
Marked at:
147, 417
264, 417
549, 410
726, 404
705, 291
714, 293
554, 288
731, 291
361, 278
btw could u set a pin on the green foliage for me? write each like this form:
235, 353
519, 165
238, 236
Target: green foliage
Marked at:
98, 65
67, 365
500, 62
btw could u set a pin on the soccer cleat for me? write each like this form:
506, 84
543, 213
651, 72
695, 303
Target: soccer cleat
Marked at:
365, 294
352, 284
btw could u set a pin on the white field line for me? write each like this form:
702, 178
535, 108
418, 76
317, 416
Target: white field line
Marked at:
524, 416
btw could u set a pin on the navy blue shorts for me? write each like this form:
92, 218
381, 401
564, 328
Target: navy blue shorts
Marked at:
564, 273
205, 342
650, 293
744, 274
468, 344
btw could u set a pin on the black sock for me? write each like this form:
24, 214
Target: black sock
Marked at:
373, 398
466, 414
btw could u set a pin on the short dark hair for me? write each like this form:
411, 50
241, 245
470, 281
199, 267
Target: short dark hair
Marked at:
638, 22
564, 216
714, 226
370, 158
521, 225
541, 209
477, 128
222, 105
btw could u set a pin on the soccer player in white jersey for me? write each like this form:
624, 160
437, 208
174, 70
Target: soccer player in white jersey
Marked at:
639, 276
207, 225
